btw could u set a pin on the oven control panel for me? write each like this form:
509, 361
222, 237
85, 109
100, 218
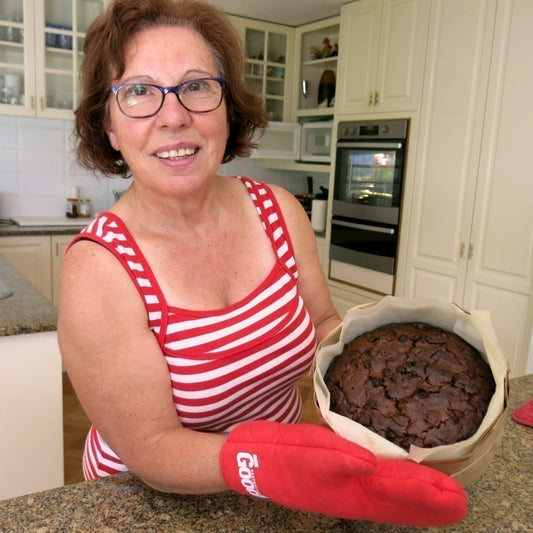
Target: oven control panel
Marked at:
377, 129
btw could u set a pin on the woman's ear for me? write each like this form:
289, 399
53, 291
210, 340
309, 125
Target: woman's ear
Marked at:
108, 127
111, 135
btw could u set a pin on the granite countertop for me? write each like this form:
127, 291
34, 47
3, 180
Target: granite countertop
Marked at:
27, 310
500, 501
13, 230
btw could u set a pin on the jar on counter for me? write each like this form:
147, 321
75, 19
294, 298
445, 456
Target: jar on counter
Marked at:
72, 208
84, 208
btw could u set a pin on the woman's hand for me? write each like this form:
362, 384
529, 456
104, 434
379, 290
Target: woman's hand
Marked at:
309, 468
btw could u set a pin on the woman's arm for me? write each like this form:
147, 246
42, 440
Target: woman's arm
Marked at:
312, 283
121, 377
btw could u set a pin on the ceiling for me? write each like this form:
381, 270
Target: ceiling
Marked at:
290, 12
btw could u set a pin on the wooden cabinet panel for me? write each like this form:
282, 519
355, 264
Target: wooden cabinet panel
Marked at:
30, 255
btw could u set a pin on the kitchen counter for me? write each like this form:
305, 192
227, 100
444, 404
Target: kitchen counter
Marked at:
13, 230
500, 501
26, 310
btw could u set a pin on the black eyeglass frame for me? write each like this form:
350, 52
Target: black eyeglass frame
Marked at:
165, 90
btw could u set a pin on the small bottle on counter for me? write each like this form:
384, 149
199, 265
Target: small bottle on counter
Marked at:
72, 208
84, 208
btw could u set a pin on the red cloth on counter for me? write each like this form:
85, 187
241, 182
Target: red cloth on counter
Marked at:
524, 414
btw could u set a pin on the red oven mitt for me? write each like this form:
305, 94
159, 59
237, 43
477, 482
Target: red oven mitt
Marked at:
309, 468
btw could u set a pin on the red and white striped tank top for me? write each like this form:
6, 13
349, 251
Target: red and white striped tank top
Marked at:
229, 365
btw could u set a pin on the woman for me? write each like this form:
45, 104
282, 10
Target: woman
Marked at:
191, 308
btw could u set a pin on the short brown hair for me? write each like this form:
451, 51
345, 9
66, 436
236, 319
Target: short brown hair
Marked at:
105, 51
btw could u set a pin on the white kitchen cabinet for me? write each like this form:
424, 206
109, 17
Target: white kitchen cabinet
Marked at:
38, 259
31, 447
268, 52
471, 237
30, 255
41, 49
381, 55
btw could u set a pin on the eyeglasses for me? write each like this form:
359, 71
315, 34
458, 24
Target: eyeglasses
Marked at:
143, 100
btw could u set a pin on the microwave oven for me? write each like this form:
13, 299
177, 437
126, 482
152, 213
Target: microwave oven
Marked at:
316, 139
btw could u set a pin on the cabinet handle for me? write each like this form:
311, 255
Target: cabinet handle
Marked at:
32, 102
376, 98
42, 103
370, 98
462, 251
470, 251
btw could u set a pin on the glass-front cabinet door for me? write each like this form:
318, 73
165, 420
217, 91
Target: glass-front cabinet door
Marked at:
61, 27
41, 49
16, 56
267, 50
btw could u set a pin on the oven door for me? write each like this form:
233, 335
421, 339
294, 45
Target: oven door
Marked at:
368, 180
363, 244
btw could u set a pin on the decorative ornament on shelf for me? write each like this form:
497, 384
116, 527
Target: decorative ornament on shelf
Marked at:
327, 50
326, 89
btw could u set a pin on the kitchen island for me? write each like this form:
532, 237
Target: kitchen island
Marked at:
500, 501
31, 413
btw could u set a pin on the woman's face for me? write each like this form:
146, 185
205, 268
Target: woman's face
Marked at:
167, 56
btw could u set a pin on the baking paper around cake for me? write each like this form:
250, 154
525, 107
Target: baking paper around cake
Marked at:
466, 459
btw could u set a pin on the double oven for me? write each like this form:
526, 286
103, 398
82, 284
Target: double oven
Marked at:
369, 171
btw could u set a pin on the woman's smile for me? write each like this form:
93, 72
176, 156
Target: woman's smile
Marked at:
178, 154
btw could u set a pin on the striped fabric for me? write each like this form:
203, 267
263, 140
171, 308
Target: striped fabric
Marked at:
229, 365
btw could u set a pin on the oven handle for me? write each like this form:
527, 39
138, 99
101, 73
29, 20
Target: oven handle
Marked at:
365, 227
370, 145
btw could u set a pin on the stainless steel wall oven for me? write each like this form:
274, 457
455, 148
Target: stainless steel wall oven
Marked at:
369, 170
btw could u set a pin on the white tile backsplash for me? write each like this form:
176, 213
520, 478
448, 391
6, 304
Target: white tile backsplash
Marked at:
38, 169
9, 162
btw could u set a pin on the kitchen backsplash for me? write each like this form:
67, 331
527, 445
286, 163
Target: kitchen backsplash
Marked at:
38, 169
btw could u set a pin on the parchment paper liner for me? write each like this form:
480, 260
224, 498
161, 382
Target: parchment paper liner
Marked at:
466, 460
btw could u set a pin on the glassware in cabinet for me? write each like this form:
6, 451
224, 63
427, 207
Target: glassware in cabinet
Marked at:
64, 27
14, 39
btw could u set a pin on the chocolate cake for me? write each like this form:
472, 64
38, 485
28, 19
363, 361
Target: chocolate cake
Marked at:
411, 383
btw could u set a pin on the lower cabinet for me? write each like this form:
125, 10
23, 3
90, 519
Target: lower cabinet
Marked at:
30, 255
38, 258
59, 244
344, 299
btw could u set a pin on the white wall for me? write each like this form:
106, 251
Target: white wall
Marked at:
37, 170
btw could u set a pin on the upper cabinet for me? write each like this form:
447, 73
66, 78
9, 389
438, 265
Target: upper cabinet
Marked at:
268, 52
41, 49
381, 55
314, 85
